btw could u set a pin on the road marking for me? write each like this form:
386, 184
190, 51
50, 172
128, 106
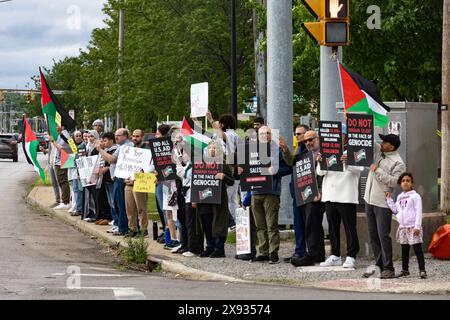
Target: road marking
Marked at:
96, 275
128, 294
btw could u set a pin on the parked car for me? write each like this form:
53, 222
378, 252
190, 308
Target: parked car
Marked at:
8, 146
43, 140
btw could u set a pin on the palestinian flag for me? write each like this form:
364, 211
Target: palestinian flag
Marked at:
193, 136
30, 146
362, 95
67, 159
53, 111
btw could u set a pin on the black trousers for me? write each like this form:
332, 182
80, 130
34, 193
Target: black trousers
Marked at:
103, 204
345, 212
207, 225
194, 231
314, 236
419, 254
181, 216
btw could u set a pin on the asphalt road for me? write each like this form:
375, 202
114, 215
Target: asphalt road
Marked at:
42, 258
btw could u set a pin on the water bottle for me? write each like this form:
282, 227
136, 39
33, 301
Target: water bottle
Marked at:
155, 230
167, 236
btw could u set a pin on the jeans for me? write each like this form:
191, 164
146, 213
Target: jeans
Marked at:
78, 195
109, 186
119, 201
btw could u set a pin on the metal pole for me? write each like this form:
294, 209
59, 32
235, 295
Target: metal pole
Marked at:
233, 60
119, 123
260, 65
279, 85
330, 88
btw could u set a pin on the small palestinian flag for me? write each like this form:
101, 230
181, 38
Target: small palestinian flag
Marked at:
67, 159
193, 136
53, 111
362, 95
30, 146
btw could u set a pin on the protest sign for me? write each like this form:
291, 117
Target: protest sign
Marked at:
305, 182
205, 188
132, 160
162, 158
144, 182
88, 169
199, 99
330, 133
257, 158
359, 139
243, 231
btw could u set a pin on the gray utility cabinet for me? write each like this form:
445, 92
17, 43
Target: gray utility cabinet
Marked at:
416, 123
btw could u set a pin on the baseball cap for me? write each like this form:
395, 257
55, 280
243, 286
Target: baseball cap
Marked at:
392, 139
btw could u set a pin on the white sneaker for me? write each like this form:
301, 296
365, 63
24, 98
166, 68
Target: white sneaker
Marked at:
62, 206
349, 262
115, 228
332, 261
175, 249
111, 223
72, 210
189, 254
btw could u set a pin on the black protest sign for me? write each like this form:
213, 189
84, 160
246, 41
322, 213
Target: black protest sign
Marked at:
359, 139
330, 133
305, 181
257, 160
162, 158
205, 188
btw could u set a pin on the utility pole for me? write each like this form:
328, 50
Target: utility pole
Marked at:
330, 88
445, 150
119, 123
260, 64
280, 86
233, 60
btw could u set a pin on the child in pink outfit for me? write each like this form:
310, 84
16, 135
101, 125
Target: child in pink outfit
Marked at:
408, 209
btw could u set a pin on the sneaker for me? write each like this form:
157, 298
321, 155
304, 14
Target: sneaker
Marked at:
172, 244
62, 206
387, 274
54, 205
118, 233
423, 274
262, 258
174, 250
111, 223
76, 213
274, 258
332, 261
217, 254
189, 254
71, 210
113, 229
349, 262
403, 273
90, 220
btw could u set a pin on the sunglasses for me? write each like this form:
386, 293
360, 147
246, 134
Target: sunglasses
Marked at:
310, 139
298, 134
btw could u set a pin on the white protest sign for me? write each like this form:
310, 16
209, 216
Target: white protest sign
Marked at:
242, 231
88, 169
199, 99
132, 160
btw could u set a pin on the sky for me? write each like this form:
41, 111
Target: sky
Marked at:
33, 33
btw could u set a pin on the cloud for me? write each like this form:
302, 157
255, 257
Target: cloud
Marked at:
35, 32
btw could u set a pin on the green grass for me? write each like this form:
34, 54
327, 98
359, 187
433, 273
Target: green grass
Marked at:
136, 251
151, 208
231, 239
38, 181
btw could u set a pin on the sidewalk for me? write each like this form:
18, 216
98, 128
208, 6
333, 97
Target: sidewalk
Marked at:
231, 270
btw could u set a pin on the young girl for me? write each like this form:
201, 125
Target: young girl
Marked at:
408, 209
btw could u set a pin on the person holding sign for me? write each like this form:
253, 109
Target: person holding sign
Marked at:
61, 174
340, 195
312, 213
383, 176
214, 217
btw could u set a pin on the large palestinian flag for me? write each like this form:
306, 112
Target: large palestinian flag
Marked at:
53, 112
30, 146
362, 95
193, 136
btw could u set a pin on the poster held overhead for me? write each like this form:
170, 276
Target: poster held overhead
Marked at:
199, 99
360, 130
330, 133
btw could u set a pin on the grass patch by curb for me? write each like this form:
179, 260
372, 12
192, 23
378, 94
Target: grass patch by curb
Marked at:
136, 250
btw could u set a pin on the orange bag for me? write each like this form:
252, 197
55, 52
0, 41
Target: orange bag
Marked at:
440, 243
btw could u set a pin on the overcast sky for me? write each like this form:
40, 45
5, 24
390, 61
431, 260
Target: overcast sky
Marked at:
34, 32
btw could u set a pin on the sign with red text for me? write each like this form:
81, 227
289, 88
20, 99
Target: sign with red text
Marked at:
205, 187
305, 181
360, 139
162, 158
330, 133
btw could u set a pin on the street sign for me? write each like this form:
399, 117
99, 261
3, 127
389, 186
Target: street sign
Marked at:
333, 27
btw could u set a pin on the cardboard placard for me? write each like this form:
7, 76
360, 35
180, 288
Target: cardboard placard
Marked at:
205, 188
199, 99
243, 244
144, 182
132, 160
162, 158
360, 137
305, 181
89, 170
252, 178
330, 133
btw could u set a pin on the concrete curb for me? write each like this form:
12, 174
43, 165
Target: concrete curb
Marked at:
87, 228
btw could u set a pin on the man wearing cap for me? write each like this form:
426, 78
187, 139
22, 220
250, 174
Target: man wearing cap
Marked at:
383, 176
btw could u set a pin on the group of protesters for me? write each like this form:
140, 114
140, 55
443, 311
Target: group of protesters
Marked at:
200, 229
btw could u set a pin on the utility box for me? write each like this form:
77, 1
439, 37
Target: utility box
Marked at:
416, 124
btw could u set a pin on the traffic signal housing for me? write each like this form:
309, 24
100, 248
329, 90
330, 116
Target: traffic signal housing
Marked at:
333, 28
30, 97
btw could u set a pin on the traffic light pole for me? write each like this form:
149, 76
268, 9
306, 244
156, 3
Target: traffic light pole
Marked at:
233, 61
330, 88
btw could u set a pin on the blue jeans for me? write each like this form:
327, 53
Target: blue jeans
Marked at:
119, 201
298, 230
78, 195
109, 186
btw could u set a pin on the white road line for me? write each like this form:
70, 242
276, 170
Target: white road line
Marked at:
128, 294
96, 275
